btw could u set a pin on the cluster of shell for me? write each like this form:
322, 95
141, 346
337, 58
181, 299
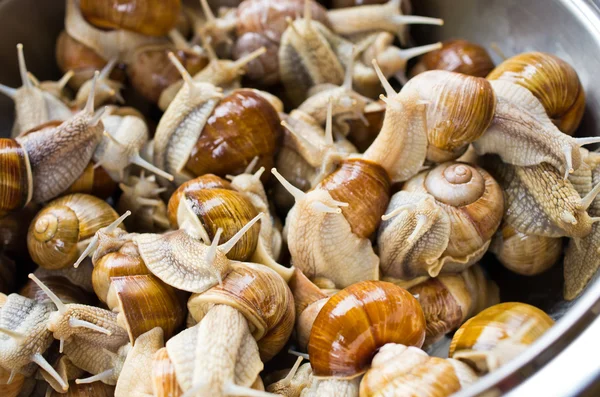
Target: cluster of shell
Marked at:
383, 208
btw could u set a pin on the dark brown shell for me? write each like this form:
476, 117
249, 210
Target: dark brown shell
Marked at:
365, 186
148, 17
145, 302
151, 70
94, 181
8, 274
459, 56
357, 321
15, 176
218, 205
553, 81
242, 126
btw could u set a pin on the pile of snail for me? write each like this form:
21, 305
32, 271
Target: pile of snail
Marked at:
281, 199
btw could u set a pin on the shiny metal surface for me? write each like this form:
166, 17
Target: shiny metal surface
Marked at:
567, 28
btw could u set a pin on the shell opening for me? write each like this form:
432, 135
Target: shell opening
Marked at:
45, 365
23, 67
228, 246
62, 308
102, 376
293, 190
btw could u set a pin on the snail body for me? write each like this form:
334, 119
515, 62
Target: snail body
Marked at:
141, 196
403, 371
552, 81
497, 335
381, 313
186, 146
106, 90
55, 233
272, 317
441, 222
33, 106
44, 163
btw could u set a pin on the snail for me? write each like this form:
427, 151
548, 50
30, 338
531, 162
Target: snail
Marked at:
71, 55
441, 222
375, 17
151, 71
149, 17
552, 81
216, 357
106, 90
522, 134
33, 106
222, 73
261, 23
526, 254
200, 122
96, 389
66, 289
290, 382
380, 313
63, 226
450, 299
95, 181
497, 335
10, 386
262, 296
581, 255
80, 277
66, 370
400, 371
541, 202
54, 88
124, 136
42, 164
141, 195
459, 56
361, 135
108, 44
217, 30
24, 337
460, 110
164, 379
88, 324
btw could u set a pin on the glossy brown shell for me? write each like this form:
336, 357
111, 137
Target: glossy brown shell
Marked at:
82, 60
125, 262
242, 126
262, 296
94, 181
218, 205
148, 17
365, 186
459, 56
151, 71
357, 321
146, 302
15, 176
57, 229
553, 81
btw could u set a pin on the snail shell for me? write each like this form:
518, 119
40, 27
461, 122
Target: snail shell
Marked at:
148, 17
498, 334
164, 378
401, 371
57, 230
450, 299
67, 291
12, 388
551, 80
262, 296
460, 56
461, 109
379, 313
445, 235
144, 302
95, 389
526, 254
95, 181
218, 205
16, 184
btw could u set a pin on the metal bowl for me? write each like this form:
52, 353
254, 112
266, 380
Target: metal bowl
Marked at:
567, 28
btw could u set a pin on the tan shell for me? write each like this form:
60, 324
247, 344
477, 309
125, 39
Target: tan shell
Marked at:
526, 254
498, 334
264, 299
164, 379
401, 371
